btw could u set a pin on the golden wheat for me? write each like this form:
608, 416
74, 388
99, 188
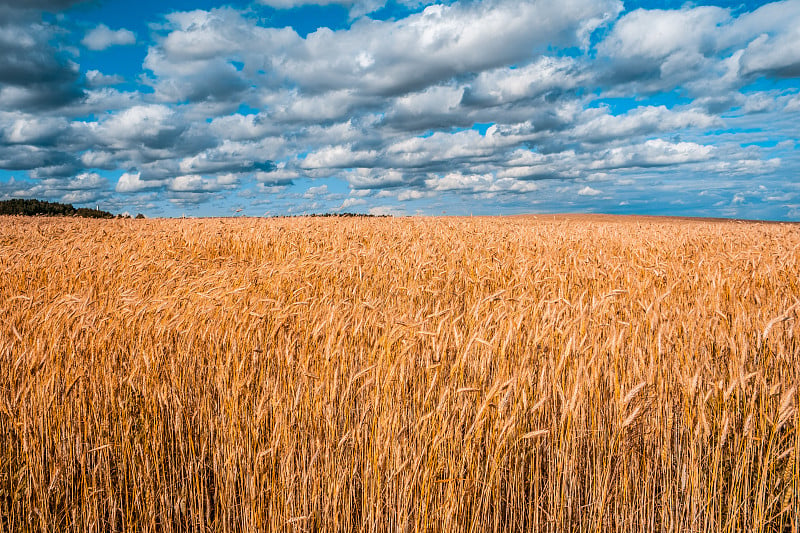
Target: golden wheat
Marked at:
510, 374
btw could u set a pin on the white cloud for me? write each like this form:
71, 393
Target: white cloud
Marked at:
313, 192
81, 189
352, 202
642, 121
86, 180
657, 34
777, 20
706, 46
369, 178
194, 183
750, 166
588, 191
505, 85
778, 54
338, 157
792, 104
192, 61
411, 194
759, 102
386, 210
421, 152
98, 159
79, 197
278, 176
102, 100
30, 129
149, 125
478, 183
430, 107
457, 181
333, 105
654, 152
372, 57
103, 37
436, 44
227, 180
95, 78
131, 183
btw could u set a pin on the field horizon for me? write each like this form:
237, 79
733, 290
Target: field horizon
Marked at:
513, 373
575, 216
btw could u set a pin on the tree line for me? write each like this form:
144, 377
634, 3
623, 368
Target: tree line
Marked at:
27, 207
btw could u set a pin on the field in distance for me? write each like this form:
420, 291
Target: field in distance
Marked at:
417, 374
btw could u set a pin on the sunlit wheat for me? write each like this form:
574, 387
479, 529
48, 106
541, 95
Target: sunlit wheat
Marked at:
509, 374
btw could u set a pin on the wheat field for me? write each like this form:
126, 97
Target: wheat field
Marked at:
399, 374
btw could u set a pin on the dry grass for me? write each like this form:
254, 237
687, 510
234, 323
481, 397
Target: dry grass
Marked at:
398, 375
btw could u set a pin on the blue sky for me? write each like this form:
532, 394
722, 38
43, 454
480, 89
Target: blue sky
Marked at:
274, 107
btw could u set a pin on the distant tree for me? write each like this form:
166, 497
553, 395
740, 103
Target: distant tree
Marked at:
32, 207
139, 215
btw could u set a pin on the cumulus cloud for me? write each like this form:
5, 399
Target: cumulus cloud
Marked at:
313, 192
660, 49
96, 78
381, 58
352, 202
342, 156
375, 178
540, 77
643, 120
474, 100
194, 183
35, 74
103, 37
395, 57
86, 180
147, 126
793, 104
588, 191
20, 128
83, 188
478, 183
653, 153
130, 182
658, 34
